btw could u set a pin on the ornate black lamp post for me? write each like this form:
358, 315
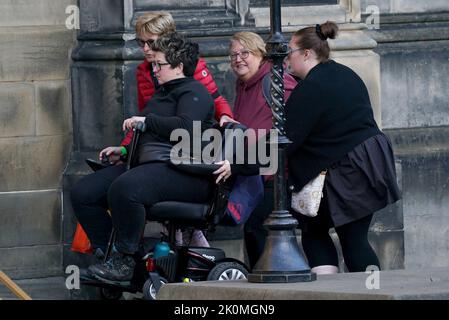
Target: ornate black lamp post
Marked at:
281, 260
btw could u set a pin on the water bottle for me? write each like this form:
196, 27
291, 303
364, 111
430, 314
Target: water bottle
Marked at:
161, 249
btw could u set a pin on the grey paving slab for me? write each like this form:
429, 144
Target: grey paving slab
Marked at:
39, 289
393, 285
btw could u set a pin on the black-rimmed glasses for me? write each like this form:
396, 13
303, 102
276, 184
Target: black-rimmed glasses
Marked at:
142, 43
291, 50
243, 55
157, 66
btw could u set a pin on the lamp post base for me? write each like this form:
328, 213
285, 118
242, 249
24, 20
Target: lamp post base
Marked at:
281, 278
282, 260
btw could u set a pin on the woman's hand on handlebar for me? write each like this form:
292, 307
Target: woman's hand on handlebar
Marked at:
129, 123
224, 171
111, 154
224, 119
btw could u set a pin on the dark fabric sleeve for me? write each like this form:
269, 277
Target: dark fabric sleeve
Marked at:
303, 110
246, 165
245, 169
192, 105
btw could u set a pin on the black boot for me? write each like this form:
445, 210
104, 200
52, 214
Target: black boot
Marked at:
118, 268
85, 274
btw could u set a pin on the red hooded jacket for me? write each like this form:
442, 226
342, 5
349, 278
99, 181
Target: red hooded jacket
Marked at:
146, 89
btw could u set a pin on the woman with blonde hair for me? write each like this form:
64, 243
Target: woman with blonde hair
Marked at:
248, 62
149, 27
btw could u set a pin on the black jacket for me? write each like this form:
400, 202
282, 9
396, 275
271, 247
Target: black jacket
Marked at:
176, 105
327, 116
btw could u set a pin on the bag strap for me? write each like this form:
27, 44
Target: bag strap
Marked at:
266, 83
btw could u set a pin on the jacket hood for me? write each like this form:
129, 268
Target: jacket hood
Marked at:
264, 68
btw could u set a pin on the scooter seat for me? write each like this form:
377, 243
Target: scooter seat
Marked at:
182, 213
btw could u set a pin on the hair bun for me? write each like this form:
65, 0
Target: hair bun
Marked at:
328, 30
319, 33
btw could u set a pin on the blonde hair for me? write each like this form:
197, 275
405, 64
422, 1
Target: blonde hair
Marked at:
251, 41
155, 22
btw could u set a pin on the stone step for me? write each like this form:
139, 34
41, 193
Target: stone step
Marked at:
190, 12
384, 285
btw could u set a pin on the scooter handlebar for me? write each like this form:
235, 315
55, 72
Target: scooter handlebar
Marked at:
140, 126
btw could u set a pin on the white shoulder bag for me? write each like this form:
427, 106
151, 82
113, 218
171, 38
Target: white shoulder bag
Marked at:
307, 201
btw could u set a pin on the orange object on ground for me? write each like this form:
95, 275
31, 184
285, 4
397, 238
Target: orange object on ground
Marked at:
81, 242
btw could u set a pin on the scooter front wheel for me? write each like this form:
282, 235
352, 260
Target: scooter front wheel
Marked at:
228, 271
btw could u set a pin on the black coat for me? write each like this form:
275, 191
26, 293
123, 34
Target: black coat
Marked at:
328, 115
176, 105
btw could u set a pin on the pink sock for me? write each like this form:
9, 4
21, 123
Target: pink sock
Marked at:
195, 239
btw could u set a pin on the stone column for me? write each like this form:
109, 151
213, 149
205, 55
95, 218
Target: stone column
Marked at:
35, 134
103, 88
413, 45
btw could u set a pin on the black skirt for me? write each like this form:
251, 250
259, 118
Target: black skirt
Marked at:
361, 183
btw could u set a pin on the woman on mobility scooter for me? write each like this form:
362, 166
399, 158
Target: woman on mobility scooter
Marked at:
167, 262
151, 179
177, 104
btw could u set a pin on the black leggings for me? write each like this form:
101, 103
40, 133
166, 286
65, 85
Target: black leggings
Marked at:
319, 247
128, 194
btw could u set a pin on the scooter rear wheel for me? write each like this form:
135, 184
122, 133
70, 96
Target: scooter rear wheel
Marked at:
149, 290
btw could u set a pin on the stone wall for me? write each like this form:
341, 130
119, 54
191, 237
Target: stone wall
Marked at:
405, 75
35, 133
407, 6
413, 45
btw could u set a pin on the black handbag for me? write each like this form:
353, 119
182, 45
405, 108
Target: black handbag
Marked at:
153, 152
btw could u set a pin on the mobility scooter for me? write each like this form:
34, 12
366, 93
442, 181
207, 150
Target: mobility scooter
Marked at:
162, 262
